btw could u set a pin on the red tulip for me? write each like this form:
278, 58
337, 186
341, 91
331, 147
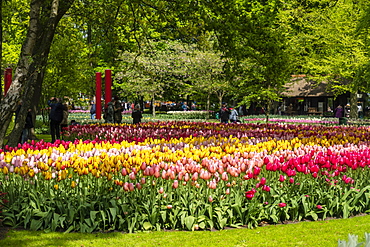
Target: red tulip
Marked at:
282, 204
256, 171
318, 206
282, 178
249, 194
266, 188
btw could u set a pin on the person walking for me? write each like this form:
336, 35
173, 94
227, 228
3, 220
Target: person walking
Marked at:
56, 117
136, 115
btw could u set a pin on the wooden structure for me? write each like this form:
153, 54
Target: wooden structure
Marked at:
311, 98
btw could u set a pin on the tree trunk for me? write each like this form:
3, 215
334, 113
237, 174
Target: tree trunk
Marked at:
29, 74
208, 102
353, 105
153, 105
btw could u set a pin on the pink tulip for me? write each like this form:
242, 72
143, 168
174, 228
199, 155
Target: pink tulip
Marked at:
318, 206
124, 172
195, 176
161, 190
143, 166
263, 181
282, 178
282, 204
138, 186
175, 184
291, 180
132, 176
131, 187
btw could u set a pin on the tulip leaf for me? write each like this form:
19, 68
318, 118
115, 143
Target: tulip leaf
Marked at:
189, 221
35, 224
93, 215
202, 225
113, 212
147, 225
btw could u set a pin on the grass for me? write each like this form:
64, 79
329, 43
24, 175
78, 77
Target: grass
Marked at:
320, 233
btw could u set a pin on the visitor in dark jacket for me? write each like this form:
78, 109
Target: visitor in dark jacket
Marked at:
224, 114
56, 117
136, 115
27, 127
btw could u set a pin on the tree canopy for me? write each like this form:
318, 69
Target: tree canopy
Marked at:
172, 50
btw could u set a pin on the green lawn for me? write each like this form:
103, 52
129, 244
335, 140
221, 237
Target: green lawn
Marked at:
319, 233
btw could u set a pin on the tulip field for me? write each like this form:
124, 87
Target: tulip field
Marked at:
185, 176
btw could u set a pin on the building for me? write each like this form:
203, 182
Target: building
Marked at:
308, 97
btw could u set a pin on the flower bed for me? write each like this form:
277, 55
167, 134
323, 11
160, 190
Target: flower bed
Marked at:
186, 175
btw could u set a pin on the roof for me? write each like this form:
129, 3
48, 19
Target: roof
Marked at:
299, 86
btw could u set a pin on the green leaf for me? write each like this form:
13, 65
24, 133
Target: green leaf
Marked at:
35, 224
189, 222
147, 225
113, 212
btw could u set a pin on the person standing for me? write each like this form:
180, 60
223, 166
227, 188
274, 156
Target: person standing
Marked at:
360, 113
185, 106
339, 112
347, 110
56, 117
27, 127
117, 107
233, 115
136, 115
224, 114
109, 113
64, 122
92, 110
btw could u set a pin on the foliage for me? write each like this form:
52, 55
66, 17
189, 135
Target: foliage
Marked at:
189, 114
353, 241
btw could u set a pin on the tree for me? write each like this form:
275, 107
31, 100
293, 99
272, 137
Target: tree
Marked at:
254, 39
29, 74
333, 51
